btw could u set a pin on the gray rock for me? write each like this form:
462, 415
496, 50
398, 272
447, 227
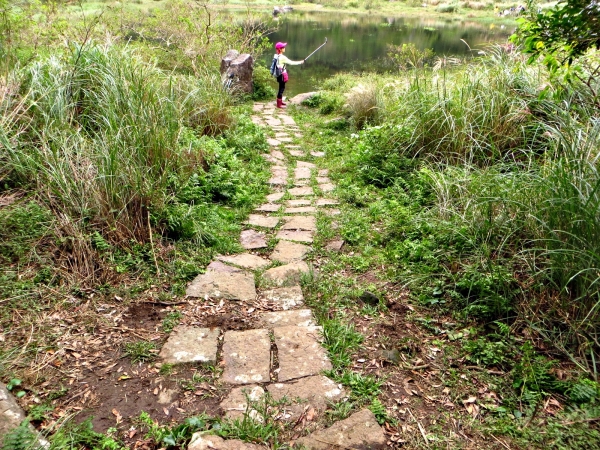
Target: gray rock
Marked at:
369, 298
273, 142
231, 286
268, 207
239, 70
335, 246
327, 187
261, 221
305, 164
322, 180
278, 181
277, 154
298, 99
323, 172
301, 191
201, 441
286, 251
360, 431
327, 202
297, 153
236, 404
297, 236
288, 120
306, 223
298, 202
247, 356
317, 392
286, 275
296, 317
317, 154
218, 266
275, 196
301, 172
11, 416
245, 260
251, 239
190, 345
299, 351
285, 297
167, 396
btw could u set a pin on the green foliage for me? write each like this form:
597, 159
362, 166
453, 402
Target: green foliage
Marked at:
22, 225
341, 341
75, 436
362, 387
140, 351
408, 56
488, 353
380, 412
171, 320
20, 438
262, 84
176, 436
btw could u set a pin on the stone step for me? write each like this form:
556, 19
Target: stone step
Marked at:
301, 191
235, 405
300, 352
202, 441
306, 164
251, 239
275, 196
301, 172
287, 251
300, 210
190, 345
296, 236
326, 202
245, 260
262, 221
285, 297
296, 317
230, 286
246, 356
286, 275
359, 431
306, 223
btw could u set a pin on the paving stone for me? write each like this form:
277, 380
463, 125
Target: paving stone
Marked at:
167, 396
317, 392
286, 251
323, 172
269, 158
296, 317
298, 99
288, 120
190, 344
235, 405
307, 223
275, 196
246, 356
327, 187
278, 181
300, 210
298, 135
299, 352
360, 431
251, 239
323, 180
301, 191
218, 266
273, 142
257, 121
278, 170
231, 286
11, 414
334, 246
285, 297
257, 107
301, 172
333, 212
262, 221
297, 153
277, 154
268, 207
297, 236
245, 260
285, 139
305, 164
281, 134
294, 146
317, 154
201, 441
299, 183
286, 275
327, 202
298, 202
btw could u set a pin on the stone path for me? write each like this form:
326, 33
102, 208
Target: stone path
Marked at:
284, 356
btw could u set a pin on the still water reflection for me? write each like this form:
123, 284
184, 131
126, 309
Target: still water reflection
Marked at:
359, 42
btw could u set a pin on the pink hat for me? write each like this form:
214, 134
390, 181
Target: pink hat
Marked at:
280, 45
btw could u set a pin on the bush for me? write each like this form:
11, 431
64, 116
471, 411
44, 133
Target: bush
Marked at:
446, 8
262, 82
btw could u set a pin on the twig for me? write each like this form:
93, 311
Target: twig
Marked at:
504, 444
421, 429
331, 443
152, 245
157, 302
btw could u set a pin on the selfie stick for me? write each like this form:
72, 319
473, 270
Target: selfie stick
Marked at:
316, 50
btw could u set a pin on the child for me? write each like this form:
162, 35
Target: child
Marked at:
282, 60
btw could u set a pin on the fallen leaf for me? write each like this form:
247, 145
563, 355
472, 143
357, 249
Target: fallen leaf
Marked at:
155, 391
311, 414
117, 415
166, 411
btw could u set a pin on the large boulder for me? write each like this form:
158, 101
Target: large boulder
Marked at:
236, 71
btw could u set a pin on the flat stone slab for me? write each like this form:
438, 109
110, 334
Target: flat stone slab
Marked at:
218, 266
298, 202
201, 441
247, 356
297, 153
11, 414
286, 251
327, 187
335, 246
288, 120
277, 170
317, 154
300, 352
304, 182
327, 202
315, 391
285, 139
296, 236
189, 345
277, 154
296, 317
298, 99
236, 404
301, 191
323, 180
301, 172
281, 134
275, 197
268, 207
360, 431
262, 221
286, 275
300, 210
273, 142
305, 164
285, 297
251, 239
323, 172
278, 181
307, 223
231, 286
245, 260
333, 212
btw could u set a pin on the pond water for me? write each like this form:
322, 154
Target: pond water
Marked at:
359, 42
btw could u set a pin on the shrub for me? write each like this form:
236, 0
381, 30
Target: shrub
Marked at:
446, 8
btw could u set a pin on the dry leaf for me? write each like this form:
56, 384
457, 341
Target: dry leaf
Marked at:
311, 414
166, 411
117, 415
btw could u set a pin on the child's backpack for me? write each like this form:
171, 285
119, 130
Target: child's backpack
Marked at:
275, 70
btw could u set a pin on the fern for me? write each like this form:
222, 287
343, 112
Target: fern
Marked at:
21, 438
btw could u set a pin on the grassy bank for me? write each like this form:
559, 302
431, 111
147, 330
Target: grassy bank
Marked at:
474, 189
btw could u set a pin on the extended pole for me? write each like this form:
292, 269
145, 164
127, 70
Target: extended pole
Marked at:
319, 48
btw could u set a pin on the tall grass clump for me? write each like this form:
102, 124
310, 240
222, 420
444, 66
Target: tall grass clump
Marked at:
101, 135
